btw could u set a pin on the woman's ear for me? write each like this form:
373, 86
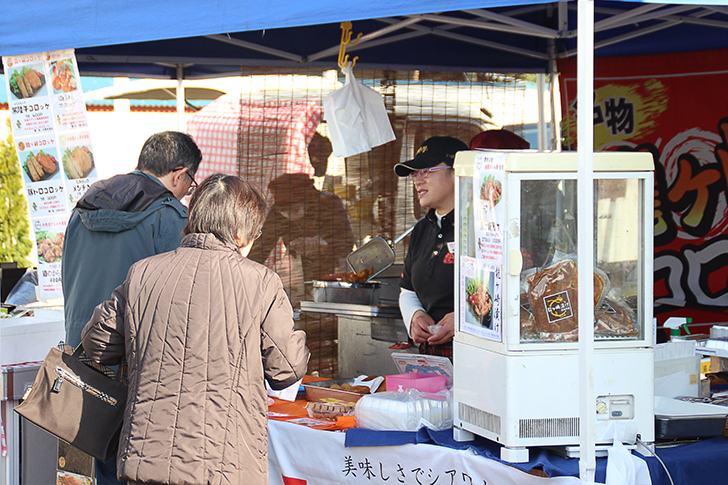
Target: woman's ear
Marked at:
245, 250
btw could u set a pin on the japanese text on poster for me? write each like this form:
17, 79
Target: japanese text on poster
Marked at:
488, 175
49, 123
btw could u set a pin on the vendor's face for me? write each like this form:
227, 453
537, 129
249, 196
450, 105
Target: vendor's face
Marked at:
437, 190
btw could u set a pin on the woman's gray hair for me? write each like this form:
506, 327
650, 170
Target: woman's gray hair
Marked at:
228, 207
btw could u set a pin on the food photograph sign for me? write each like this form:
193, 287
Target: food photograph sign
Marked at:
489, 173
52, 139
481, 277
480, 285
49, 234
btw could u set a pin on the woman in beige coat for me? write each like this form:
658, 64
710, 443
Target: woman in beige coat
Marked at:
201, 328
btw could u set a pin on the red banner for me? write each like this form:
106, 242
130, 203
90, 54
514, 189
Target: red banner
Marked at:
674, 107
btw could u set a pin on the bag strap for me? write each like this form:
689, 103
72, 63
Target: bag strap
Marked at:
77, 352
80, 354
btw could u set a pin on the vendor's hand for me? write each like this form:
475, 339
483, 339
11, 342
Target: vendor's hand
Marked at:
447, 331
418, 327
307, 245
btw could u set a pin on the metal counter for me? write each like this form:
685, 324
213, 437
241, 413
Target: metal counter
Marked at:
365, 334
351, 309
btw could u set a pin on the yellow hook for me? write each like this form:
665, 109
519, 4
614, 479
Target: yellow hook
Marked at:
345, 41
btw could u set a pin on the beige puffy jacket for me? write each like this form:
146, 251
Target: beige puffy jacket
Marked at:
201, 327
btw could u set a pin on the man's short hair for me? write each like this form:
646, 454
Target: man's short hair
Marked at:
163, 152
228, 207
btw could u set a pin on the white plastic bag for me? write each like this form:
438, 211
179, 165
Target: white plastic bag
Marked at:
623, 468
404, 411
356, 117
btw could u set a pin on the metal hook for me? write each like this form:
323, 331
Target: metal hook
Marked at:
345, 41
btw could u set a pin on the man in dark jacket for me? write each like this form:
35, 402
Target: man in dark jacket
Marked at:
120, 221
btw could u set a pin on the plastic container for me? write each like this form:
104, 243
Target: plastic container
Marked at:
424, 364
320, 391
403, 411
426, 383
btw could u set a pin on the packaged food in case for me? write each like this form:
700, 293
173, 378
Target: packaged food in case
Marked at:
552, 293
614, 318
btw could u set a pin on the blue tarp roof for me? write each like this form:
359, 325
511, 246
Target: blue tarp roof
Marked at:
150, 38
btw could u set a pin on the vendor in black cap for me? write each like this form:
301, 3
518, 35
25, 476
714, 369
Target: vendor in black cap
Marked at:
427, 296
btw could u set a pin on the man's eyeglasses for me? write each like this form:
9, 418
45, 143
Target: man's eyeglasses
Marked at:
193, 184
425, 172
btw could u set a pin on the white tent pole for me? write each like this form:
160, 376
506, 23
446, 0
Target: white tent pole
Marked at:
585, 237
555, 133
180, 98
541, 112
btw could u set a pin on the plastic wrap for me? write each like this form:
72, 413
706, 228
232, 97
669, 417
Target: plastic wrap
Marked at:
552, 293
329, 410
614, 318
404, 411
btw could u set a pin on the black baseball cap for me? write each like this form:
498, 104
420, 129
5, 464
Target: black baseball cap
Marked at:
434, 151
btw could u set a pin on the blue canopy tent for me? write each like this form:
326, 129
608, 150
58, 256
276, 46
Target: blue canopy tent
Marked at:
169, 38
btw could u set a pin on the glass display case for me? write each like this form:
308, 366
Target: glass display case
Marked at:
516, 336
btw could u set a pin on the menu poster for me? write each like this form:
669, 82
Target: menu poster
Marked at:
42, 175
489, 174
68, 105
481, 290
78, 163
28, 97
52, 139
49, 234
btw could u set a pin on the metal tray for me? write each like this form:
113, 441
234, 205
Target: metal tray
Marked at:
677, 418
689, 427
344, 292
376, 253
318, 391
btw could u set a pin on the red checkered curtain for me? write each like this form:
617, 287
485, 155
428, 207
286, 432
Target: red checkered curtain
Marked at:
256, 140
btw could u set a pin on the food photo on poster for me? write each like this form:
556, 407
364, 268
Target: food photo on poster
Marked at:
63, 78
479, 301
27, 81
490, 190
50, 246
38, 158
78, 162
40, 166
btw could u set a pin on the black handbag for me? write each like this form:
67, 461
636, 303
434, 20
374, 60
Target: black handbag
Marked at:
77, 403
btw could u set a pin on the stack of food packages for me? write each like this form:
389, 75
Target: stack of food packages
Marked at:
377, 408
333, 399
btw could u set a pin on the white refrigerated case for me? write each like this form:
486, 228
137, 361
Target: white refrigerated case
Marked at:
516, 355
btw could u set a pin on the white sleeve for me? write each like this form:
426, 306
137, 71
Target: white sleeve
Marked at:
408, 305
